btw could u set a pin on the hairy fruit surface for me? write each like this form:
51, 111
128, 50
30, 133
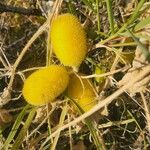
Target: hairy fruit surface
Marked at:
68, 40
44, 85
82, 92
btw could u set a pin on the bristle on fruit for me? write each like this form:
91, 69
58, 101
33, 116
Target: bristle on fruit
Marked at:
68, 40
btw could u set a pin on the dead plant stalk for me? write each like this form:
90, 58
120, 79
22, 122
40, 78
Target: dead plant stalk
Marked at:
109, 99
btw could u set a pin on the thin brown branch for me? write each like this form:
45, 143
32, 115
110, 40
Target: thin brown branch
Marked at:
20, 10
109, 99
146, 109
105, 74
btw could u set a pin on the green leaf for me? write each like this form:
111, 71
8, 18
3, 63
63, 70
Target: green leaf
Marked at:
23, 131
92, 126
61, 122
142, 47
88, 3
142, 24
110, 14
133, 17
15, 128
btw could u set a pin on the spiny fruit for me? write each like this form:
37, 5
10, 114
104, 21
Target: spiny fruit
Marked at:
68, 40
82, 92
44, 85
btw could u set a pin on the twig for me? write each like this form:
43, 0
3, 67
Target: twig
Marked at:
3, 62
147, 113
20, 10
109, 99
33, 38
133, 17
44, 120
115, 123
105, 74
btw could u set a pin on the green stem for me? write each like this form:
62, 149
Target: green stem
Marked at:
123, 44
91, 124
15, 128
142, 47
131, 19
110, 15
23, 131
98, 16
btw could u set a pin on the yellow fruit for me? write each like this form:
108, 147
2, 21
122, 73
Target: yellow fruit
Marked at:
44, 85
68, 40
81, 92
